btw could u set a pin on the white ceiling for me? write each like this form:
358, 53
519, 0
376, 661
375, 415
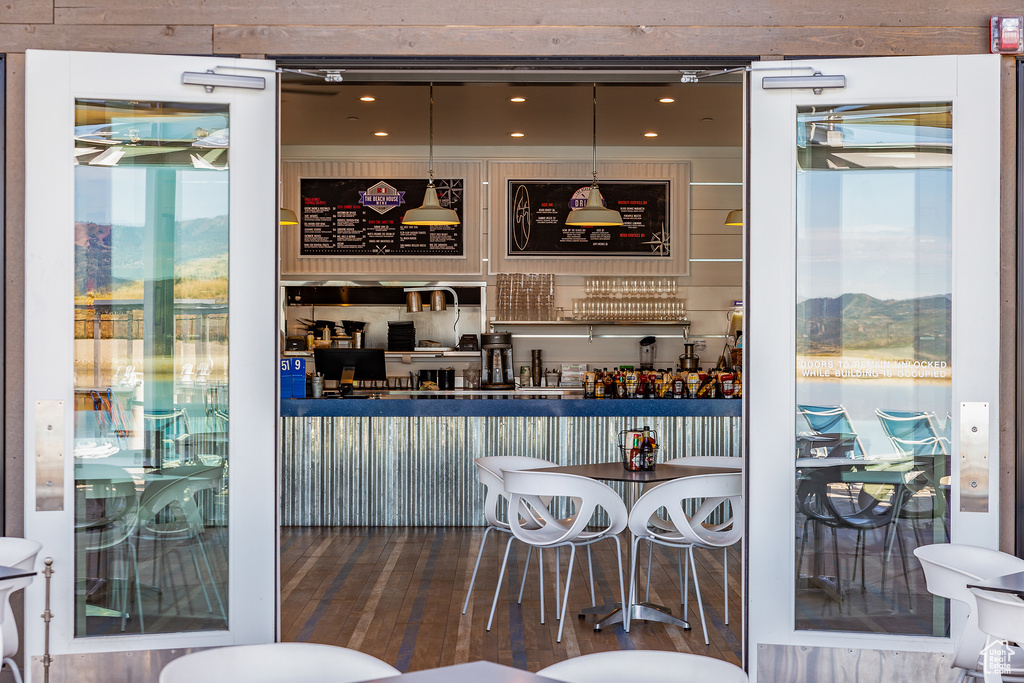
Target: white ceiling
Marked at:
480, 114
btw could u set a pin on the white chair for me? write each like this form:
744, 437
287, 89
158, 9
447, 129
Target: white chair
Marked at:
19, 553
168, 511
274, 662
651, 666
948, 568
488, 471
719, 461
1000, 618
709, 493
106, 518
535, 490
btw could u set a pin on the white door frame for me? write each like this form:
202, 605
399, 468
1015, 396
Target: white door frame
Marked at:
53, 81
972, 84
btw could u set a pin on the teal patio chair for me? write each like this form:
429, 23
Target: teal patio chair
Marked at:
832, 420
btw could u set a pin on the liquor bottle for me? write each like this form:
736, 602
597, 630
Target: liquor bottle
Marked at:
620, 384
647, 451
599, 385
609, 384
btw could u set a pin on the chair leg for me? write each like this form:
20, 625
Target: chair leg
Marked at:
138, 588
558, 579
696, 588
590, 565
565, 598
476, 568
213, 579
626, 611
686, 577
497, 589
14, 669
622, 588
650, 558
540, 576
725, 582
526, 568
679, 568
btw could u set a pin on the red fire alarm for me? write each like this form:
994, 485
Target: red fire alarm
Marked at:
1007, 35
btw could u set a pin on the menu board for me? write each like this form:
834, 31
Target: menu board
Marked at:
537, 211
363, 217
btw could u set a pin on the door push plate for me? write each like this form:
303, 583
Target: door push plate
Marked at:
974, 468
49, 456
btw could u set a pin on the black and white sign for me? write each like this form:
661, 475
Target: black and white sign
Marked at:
363, 217
537, 211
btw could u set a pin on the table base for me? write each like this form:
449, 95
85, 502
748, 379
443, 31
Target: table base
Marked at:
639, 611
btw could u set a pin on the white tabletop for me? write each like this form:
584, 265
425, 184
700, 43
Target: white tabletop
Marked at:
471, 672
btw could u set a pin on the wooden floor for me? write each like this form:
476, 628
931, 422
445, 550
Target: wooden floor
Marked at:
397, 594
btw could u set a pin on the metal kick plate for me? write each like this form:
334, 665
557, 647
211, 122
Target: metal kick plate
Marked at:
49, 456
974, 457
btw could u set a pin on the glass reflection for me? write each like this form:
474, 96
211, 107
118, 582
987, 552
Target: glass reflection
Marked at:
873, 384
151, 373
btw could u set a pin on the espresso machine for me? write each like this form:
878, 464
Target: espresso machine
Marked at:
496, 361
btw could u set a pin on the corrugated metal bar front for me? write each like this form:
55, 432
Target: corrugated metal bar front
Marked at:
418, 471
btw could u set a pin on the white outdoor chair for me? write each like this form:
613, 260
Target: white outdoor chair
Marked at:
721, 461
274, 662
488, 471
708, 492
650, 666
1000, 618
535, 489
948, 568
19, 553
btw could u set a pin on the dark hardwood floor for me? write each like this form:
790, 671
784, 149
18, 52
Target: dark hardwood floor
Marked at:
397, 594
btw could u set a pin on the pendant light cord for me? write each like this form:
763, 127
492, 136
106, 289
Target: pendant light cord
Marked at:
595, 134
431, 169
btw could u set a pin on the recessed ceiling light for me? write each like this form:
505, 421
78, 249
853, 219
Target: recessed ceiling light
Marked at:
667, 100
368, 98
650, 135
517, 135
353, 118
707, 119
517, 99
381, 134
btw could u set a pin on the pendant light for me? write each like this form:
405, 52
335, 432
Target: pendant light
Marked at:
594, 212
735, 217
431, 213
287, 217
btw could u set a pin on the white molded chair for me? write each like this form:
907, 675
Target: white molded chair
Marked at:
535, 490
709, 493
19, 553
651, 666
488, 472
720, 461
948, 568
168, 511
274, 662
1000, 618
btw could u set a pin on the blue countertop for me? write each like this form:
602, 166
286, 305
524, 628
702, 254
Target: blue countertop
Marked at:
508, 406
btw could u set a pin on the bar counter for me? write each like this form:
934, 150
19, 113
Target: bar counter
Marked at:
406, 459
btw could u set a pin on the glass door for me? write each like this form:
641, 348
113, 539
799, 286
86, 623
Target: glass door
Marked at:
151, 348
874, 314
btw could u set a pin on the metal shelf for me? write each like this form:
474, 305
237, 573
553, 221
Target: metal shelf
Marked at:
591, 324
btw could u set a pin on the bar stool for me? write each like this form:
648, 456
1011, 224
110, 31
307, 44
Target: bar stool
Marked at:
19, 553
654, 666
1001, 619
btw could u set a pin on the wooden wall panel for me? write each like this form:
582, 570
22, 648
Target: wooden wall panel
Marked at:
162, 39
27, 12
579, 41
651, 13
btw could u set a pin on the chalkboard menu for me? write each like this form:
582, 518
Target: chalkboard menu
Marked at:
537, 211
363, 217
